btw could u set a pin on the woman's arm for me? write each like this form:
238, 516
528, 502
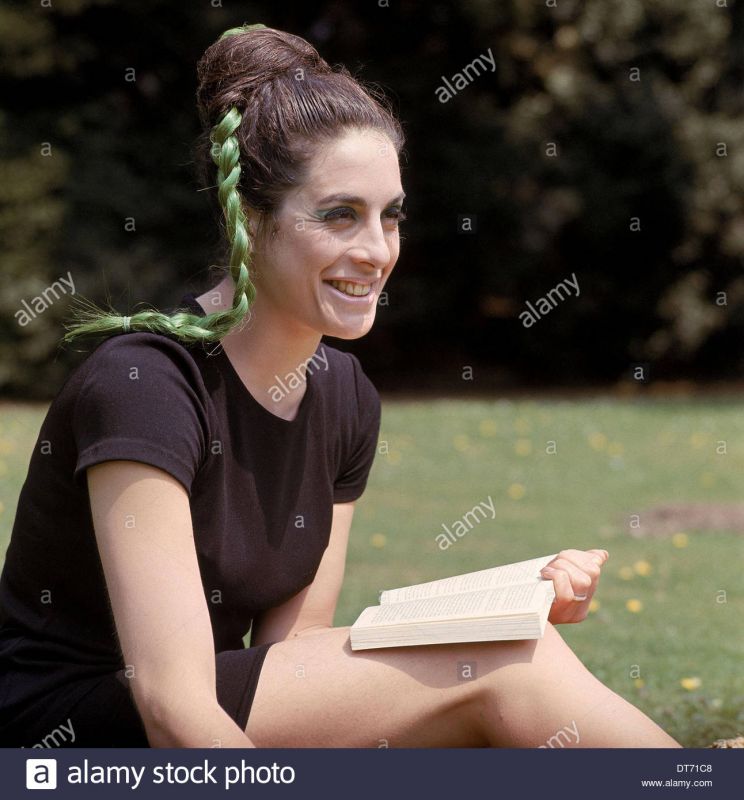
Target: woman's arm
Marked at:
143, 527
312, 609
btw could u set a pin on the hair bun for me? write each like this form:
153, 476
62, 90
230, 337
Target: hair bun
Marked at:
242, 60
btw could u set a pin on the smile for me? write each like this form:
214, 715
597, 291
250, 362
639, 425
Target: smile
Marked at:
351, 289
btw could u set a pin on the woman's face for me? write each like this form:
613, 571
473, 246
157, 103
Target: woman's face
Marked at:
336, 240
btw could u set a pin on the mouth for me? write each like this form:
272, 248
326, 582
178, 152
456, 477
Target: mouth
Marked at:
351, 290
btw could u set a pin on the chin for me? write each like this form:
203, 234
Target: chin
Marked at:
349, 333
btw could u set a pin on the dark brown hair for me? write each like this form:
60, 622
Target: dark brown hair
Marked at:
290, 101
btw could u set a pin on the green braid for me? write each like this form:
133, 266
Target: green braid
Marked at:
184, 325
244, 28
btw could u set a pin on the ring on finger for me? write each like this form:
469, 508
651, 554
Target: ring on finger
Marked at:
579, 598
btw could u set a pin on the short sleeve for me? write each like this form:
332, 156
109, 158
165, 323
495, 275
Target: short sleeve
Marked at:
142, 399
354, 472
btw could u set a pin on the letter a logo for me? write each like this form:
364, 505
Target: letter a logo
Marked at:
41, 773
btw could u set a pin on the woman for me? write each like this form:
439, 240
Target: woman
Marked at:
198, 477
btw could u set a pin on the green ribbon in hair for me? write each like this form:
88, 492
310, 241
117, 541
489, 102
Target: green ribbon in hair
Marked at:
242, 29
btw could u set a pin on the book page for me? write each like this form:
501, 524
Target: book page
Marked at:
494, 577
485, 602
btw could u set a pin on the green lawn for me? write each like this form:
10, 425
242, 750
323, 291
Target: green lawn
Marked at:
677, 652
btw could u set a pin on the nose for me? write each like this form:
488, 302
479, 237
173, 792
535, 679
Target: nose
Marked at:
371, 246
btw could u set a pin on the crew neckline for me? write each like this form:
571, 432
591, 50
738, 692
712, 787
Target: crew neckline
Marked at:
229, 369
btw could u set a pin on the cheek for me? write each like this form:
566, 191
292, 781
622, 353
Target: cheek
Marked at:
394, 249
313, 251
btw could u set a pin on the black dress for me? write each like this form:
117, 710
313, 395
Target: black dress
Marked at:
261, 493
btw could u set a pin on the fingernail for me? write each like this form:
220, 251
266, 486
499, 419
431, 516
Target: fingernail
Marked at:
548, 571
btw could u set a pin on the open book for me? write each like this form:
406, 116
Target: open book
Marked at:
508, 602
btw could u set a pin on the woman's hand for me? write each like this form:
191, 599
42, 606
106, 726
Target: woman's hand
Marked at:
575, 575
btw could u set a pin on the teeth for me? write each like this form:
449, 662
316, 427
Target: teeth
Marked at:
353, 289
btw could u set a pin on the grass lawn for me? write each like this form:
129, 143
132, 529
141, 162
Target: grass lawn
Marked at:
677, 651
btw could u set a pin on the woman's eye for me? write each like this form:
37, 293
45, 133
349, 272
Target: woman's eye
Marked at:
396, 213
339, 213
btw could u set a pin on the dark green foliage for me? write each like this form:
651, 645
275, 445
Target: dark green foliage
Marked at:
640, 100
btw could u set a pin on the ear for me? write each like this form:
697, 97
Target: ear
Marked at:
253, 219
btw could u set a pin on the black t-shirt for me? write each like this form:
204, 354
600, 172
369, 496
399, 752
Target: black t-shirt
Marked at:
261, 492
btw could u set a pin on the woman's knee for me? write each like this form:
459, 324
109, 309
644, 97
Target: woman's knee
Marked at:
504, 667
553, 653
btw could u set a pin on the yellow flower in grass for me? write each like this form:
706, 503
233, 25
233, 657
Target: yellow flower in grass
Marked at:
625, 573
680, 540
487, 427
642, 568
639, 683
615, 449
707, 480
594, 606
516, 491
697, 440
597, 441
634, 606
378, 540
690, 683
461, 442
523, 447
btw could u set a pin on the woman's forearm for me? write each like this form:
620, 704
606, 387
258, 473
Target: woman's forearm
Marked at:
203, 724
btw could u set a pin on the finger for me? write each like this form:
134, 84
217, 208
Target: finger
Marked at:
565, 606
603, 555
581, 557
585, 560
564, 591
571, 604
581, 581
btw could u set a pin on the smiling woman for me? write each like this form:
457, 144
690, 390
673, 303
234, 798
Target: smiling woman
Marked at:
193, 500
176, 500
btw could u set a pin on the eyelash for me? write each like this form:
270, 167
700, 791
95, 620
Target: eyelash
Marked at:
397, 214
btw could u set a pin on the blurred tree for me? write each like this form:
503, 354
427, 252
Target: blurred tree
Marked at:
33, 172
605, 143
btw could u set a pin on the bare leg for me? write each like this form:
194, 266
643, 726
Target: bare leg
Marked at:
314, 691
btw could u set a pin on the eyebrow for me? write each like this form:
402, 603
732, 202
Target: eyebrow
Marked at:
355, 200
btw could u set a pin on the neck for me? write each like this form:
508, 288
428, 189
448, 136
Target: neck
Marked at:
267, 352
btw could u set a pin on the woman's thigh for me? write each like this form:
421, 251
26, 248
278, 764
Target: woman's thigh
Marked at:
314, 691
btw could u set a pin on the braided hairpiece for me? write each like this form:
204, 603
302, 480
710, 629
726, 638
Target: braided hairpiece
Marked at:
184, 325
